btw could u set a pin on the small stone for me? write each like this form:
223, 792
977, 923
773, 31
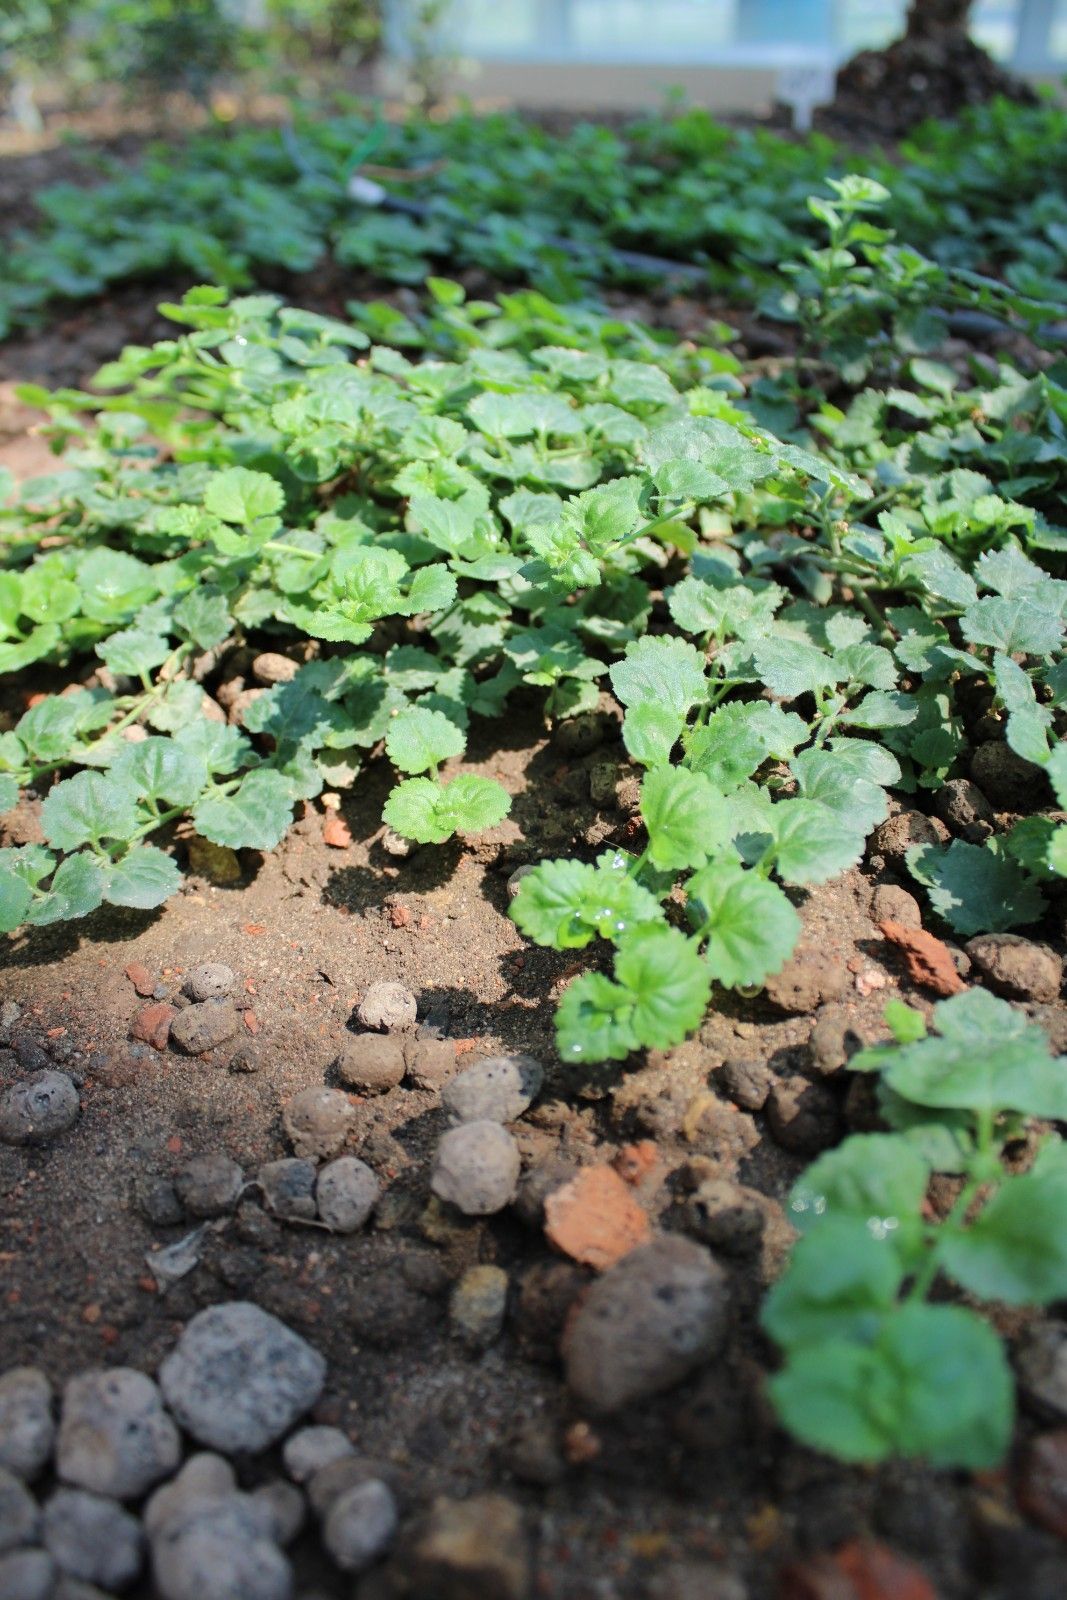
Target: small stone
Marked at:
225, 1551
38, 1108
431, 1063
317, 1121
889, 903
725, 1215
92, 1538
541, 1180
203, 1026
388, 1007
27, 1575
215, 862
286, 1507
359, 1526
144, 982
747, 1083
289, 1188
896, 836
209, 1186
347, 1192
1042, 1482
532, 1452
238, 1378
478, 1304
803, 1117
472, 1549
476, 1168
371, 1062
594, 1218
27, 1430
394, 844
1042, 1365
499, 1089
963, 806
19, 1516
859, 1570
310, 1449
203, 1479
515, 879
151, 1025
115, 1438
646, 1324
577, 736
1016, 967
809, 978
1010, 782
158, 1203
270, 668
246, 1058
336, 1478
833, 1040
209, 981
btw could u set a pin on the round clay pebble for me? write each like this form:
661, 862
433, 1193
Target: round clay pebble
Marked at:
431, 1063
347, 1192
115, 1438
238, 1378
203, 1480
360, 1525
270, 667
209, 1186
479, 1301
201, 1027
371, 1062
289, 1188
225, 1551
388, 1007
317, 1121
394, 844
210, 981
92, 1538
27, 1431
1017, 967
27, 1575
476, 1168
286, 1506
311, 1448
499, 1089
645, 1324
37, 1108
19, 1516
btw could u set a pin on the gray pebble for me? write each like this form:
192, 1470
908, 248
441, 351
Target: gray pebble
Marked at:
114, 1436
833, 1041
38, 1108
92, 1538
360, 1525
210, 981
317, 1121
478, 1304
499, 1089
725, 1215
330, 1482
803, 1117
431, 1063
204, 1025
27, 1575
388, 1007
964, 807
476, 1168
238, 1378
19, 1516
748, 1083
309, 1449
158, 1202
286, 1506
347, 1192
27, 1431
289, 1187
209, 1186
225, 1552
10, 1012
75, 1589
204, 1479
371, 1062
645, 1324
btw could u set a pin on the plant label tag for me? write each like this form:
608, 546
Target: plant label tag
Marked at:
803, 87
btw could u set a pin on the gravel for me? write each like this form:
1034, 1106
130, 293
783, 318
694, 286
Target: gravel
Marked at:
310, 1449
287, 1508
833, 1041
803, 1117
725, 1215
747, 1083
645, 1324
210, 1185
1016, 967
238, 1378
347, 1192
27, 1431
472, 1549
115, 1438
478, 1304
431, 1063
210, 981
317, 1121
93, 1538
37, 1108
371, 1062
203, 1026
497, 1090
27, 1575
225, 1552
962, 805
289, 1188
890, 903
360, 1524
388, 1008
476, 1168
19, 1517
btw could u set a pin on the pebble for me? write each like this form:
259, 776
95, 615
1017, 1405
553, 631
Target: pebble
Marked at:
1042, 1482
538, 1182
238, 1378
115, 1438
1016, 967
158, 1202
371, 1062
1008, 781
474, 1549
833, 1041
747, 1083
360, 1524
895, 837
646, 1324
335, 1479
152, 1025
476, 1168
248, 1057
388, 1007
270, 667
203, 1479
310, 1449
204, 1025
226, 1551
37, 1108
576, 736
890, 903
212, 980
394, 844
431, 1063
594, 1218
533, 1454
347, 1192
962, 805
19, 1516
1042, 1366
27, 1431
286, 1506
725, 1215
803, 1117
289, 1187
809, 978
27, 1575
92, 1538
317, 1121
478, 1304
209, 1186
499, 1089
515, 878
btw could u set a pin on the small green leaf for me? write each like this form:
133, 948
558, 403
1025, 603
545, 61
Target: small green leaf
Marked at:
133, 652
77, 889
87, 808
1016, 1249
242, 496
143, 878
255, 817
838, 1285
749, 924
666, 671
877, 1178
976, 888
686, 817
430, 812
419, 739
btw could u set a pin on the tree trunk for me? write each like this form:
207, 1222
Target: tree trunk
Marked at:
927, 18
